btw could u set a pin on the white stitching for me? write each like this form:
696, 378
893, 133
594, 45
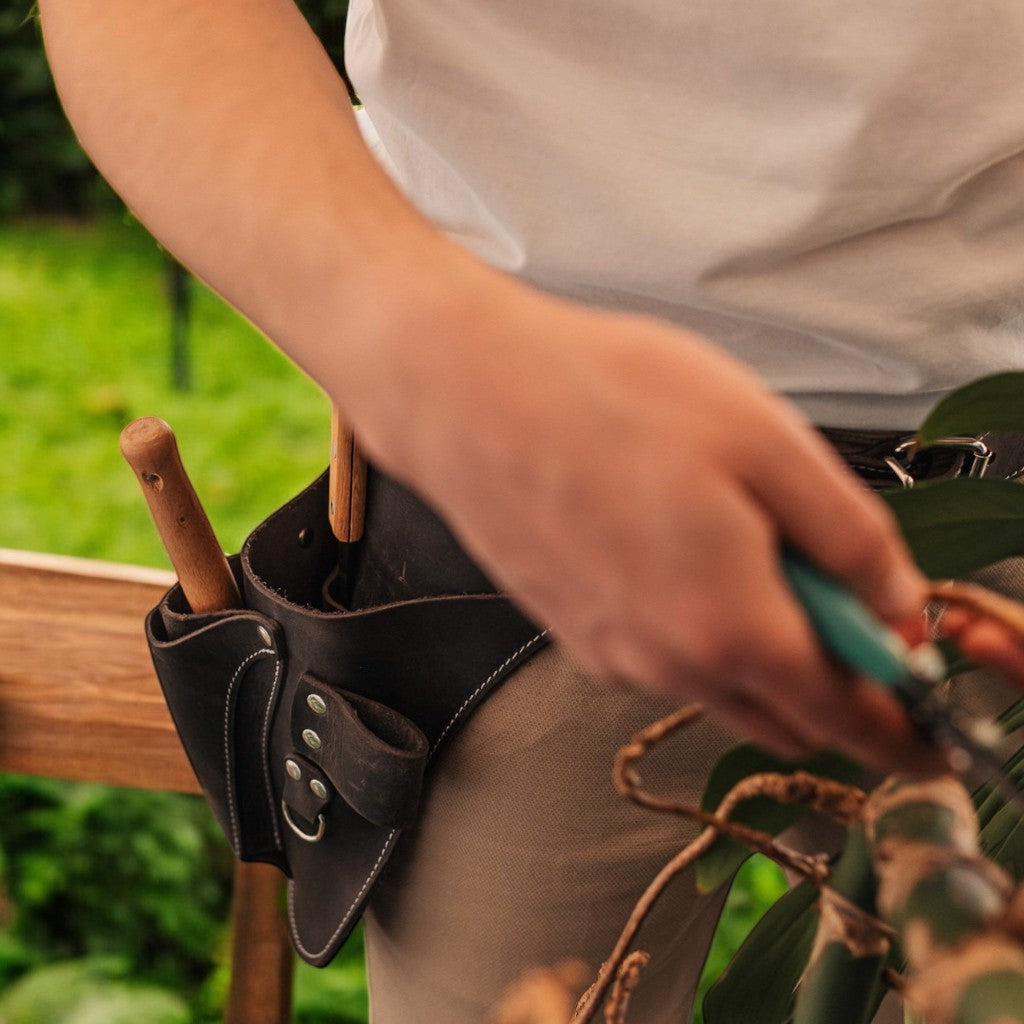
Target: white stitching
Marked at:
387, 842
351, 910
501, 668
236, 841
266, 755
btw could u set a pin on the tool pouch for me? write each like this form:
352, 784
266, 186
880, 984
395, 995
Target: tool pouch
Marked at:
311, 726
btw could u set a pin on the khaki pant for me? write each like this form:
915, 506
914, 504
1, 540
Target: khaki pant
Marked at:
525, 856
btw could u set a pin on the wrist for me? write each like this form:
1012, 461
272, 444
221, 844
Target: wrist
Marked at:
411, 350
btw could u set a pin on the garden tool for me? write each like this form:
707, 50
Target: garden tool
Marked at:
345, 502
858, 640
309, 721
150, 448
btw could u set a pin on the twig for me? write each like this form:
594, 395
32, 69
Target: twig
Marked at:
845, 800
841, 801
894, 980
592, 997
976, 598
625, 982
1012, 921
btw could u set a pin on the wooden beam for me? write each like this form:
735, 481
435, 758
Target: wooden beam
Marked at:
79, 700
78, 695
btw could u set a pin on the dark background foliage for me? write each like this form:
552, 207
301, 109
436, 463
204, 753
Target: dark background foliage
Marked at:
42, 167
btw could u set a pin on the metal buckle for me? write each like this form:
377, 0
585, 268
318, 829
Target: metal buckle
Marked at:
979, 453
309, 837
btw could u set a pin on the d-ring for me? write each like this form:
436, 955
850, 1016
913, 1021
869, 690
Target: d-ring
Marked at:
321, 826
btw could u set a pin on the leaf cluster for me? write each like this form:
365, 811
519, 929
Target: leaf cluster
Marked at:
134, 883
953, 527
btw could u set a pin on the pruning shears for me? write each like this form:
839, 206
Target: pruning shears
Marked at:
852, 634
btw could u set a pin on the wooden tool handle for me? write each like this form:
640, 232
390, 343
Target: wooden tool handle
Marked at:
261, 973
149, 447
347, 484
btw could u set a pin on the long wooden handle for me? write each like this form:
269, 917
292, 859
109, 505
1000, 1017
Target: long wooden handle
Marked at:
261, 956
149, 447
347, 483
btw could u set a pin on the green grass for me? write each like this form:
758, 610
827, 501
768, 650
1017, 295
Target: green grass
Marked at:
84, 348
85, 329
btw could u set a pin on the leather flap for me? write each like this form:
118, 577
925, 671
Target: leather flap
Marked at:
373, 756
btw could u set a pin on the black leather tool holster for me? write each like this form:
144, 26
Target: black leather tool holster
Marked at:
310, 725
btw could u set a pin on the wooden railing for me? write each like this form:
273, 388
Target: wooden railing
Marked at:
79, 700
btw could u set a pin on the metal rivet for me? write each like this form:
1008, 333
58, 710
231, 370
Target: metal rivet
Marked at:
305, 537
311, 739
319, 789
293, 769
316, 702
265, 635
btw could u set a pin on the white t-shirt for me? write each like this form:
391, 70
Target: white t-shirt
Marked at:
833, 191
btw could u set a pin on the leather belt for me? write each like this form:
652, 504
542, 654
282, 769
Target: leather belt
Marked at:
886, 458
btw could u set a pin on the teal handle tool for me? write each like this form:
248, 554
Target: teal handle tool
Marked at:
845, 626
853, 635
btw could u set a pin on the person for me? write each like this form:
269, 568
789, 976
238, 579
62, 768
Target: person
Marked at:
584, 278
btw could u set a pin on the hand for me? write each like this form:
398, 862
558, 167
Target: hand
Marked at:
987, 627
631, 486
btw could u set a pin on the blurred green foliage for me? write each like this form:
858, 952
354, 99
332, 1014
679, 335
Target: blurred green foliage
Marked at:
42, 167
85, 328
90, 991
90, 872
41, 164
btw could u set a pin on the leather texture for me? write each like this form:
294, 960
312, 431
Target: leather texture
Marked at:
311, 727
866, 452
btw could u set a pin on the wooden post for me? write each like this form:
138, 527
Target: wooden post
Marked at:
261, 952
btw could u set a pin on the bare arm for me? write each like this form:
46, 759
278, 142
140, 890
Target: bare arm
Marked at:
228, 132
628, 482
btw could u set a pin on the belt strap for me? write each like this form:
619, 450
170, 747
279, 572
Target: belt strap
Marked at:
886, 458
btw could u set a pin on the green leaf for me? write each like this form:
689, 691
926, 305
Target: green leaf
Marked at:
1012, 718
988, 801
954, 527
1003, 840
995, 997
718, 864
759, 983
841, 988
991, 403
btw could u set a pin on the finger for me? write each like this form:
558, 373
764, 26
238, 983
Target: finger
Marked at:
748, 717
829, 707
827, 513
991, 644
854, 716
631, 663
913, 630
954, 620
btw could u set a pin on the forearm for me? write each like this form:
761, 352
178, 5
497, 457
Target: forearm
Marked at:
227, 130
